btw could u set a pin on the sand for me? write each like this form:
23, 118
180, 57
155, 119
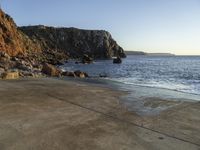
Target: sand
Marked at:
52, 114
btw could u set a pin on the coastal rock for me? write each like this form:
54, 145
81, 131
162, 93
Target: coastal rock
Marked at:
81, 74
5, 61
86, 59
103, 75
10, 75
51, 70
2, 70
55, 45
24, 65
117, 60
30, 74
26, 49
12, 41
4, 55
76, 73
69, 74
74, 43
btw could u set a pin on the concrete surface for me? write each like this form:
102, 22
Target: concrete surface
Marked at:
50, 114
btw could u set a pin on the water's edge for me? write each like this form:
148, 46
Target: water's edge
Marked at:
138, 97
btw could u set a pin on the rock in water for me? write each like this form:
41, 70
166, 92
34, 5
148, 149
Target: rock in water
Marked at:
86, 59
117, 60
51, 70
2, 70
81, 74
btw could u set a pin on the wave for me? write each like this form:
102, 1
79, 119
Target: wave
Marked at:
186, 89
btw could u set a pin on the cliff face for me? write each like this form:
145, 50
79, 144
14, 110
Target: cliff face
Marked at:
12, 41
75, 42
49, 43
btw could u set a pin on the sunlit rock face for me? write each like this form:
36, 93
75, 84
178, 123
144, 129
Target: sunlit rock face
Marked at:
13, 41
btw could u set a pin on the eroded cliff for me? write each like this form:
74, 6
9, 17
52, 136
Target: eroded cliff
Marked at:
12, 40
75, 42
50, 43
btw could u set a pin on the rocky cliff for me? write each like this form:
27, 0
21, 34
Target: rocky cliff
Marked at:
75, 42
12, 40
33, 50
55, 42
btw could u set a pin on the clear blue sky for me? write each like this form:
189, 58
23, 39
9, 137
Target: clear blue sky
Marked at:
147, 25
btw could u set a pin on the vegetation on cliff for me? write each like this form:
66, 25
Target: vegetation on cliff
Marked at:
75, 42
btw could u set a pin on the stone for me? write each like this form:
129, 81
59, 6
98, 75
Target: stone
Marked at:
4, 55
86, 59
68, 74
24, 65
10, 75
51, 70
81, 74
117, 60
103, 75
2, 70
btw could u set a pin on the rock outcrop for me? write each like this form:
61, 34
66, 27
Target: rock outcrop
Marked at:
75, 74
73, 42
51, 70
12, 40
10, 75
117, 60
25, 49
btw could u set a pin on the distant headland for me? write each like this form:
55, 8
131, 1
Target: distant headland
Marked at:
147, 54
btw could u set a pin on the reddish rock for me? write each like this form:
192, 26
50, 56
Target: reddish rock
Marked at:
10, 75
80, 74
12, 41
51, 70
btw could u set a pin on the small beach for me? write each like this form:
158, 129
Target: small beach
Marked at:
50, 113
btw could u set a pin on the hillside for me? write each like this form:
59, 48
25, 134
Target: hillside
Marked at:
12, 41
48, 43
75, 42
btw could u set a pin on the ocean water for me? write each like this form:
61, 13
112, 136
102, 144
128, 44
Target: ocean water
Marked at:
172, 73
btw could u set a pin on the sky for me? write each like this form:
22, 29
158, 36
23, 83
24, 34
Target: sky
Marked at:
166, 26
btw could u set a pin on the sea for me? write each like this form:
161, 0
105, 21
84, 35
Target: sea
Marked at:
166, 77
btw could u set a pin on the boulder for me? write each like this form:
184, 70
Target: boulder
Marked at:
69, 74
51, 70
117, 60
10, 75
4, 55
86, 59
6, 63
24, 65
2, 70
103, 75
81, 74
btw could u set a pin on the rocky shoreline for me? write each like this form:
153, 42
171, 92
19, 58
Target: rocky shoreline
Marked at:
36, 51
16, 67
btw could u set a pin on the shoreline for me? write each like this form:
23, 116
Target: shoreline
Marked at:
48, 113
141, 99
